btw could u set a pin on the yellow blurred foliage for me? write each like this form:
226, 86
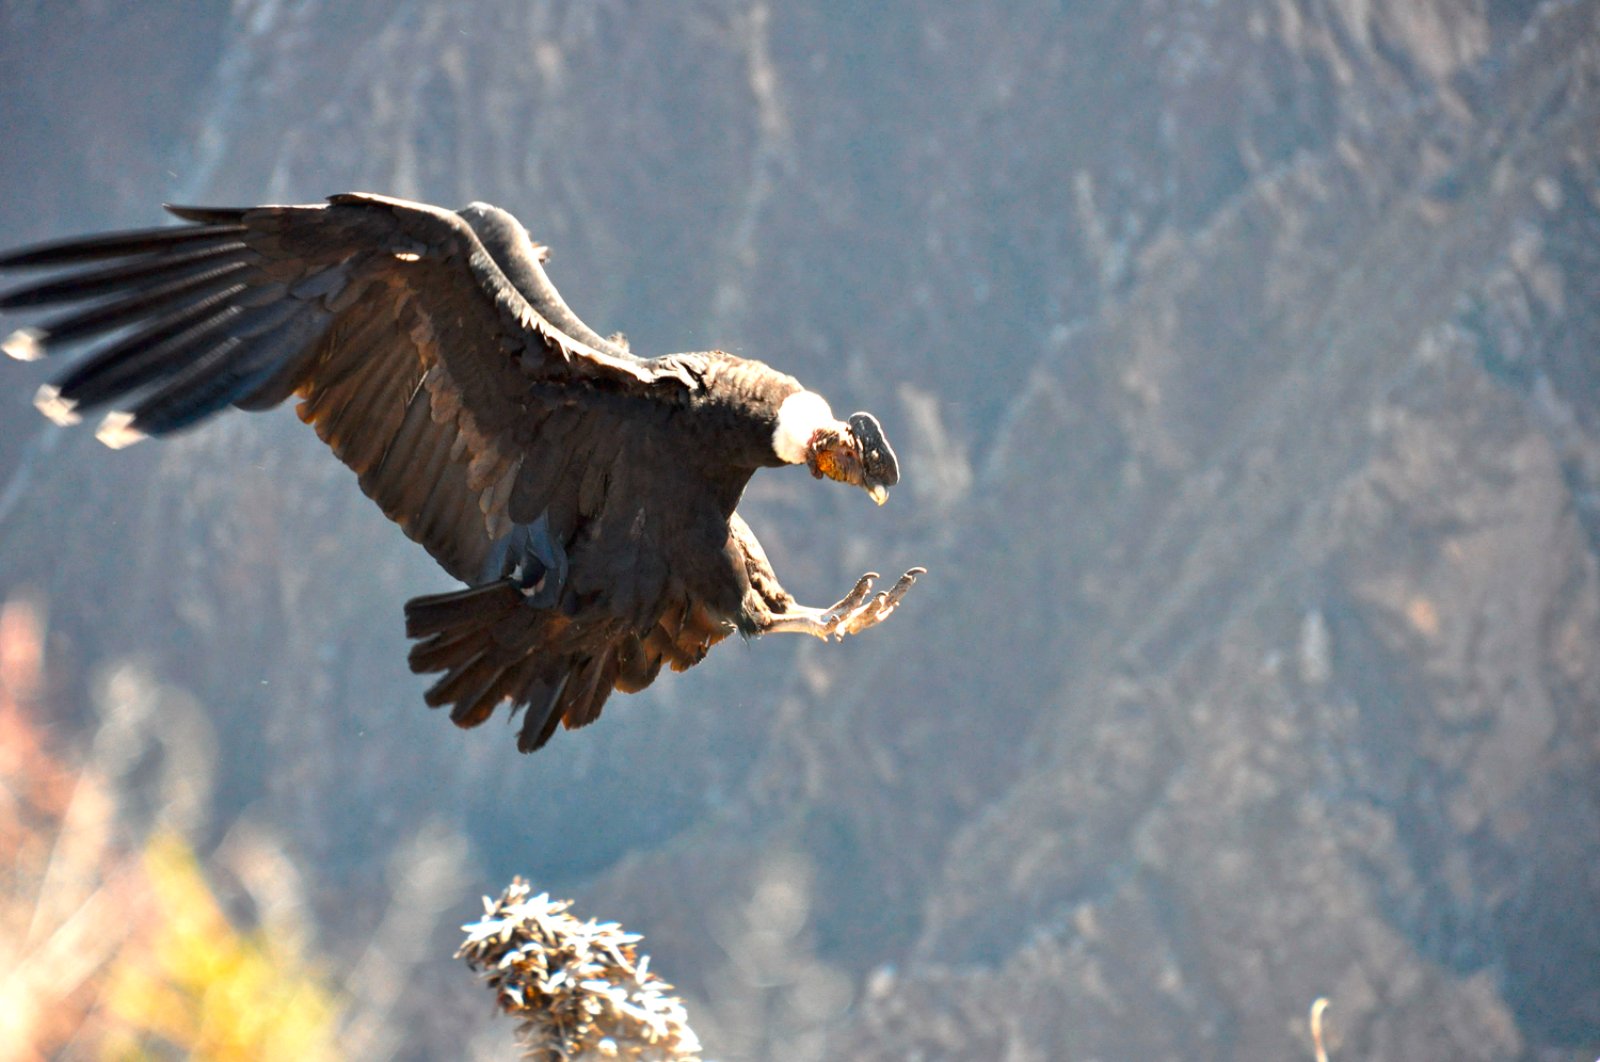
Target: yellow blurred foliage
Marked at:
114, 946
204, 988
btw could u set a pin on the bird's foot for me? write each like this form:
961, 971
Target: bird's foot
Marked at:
852, 614
861, 608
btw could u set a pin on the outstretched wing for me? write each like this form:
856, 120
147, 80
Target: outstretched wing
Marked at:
424, 359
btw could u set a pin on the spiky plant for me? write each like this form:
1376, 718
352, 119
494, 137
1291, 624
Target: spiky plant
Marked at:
580, 990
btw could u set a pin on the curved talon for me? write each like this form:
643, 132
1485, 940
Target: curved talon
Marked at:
863, 587
899, 589
858, 593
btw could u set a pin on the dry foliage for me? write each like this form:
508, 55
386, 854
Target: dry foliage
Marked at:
581, 991
111, 945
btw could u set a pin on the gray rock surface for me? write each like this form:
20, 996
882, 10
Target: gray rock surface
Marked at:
1242, 358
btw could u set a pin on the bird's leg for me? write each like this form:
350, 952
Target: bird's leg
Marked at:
854, 613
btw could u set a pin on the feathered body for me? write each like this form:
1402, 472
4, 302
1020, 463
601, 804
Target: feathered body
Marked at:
585, 495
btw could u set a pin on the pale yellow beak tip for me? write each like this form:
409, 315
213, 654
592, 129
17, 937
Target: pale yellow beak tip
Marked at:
878, 494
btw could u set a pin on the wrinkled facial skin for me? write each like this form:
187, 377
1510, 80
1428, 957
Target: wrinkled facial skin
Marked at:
861, 457
834, 454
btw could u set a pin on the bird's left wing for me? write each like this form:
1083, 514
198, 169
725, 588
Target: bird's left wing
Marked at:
414, 357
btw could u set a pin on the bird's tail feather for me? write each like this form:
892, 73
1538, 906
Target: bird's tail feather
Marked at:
491, 646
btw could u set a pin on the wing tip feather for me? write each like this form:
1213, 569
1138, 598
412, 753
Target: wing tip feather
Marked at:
62, 411
117, 431
25, 344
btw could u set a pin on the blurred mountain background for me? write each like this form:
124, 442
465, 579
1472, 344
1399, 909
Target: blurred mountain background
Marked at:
1242, 359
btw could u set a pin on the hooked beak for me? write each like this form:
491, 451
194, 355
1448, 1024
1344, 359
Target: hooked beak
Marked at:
879, 468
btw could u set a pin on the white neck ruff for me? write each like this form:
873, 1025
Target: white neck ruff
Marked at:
800, 417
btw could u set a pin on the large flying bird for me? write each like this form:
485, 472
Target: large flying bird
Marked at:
585, 495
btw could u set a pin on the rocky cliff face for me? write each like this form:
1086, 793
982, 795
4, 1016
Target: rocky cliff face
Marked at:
1242, 360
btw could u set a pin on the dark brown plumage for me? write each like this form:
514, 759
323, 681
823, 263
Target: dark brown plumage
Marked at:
586, 496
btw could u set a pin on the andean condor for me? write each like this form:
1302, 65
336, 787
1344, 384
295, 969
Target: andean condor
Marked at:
585, 495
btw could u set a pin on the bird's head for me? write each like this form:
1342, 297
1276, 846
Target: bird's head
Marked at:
854, 451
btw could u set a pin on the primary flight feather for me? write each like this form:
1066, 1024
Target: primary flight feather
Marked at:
585, 495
